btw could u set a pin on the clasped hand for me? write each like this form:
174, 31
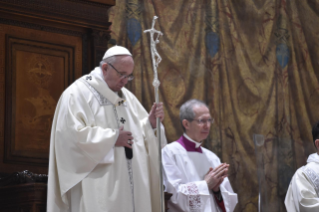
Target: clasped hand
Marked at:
215, 177
157, 111
125, 138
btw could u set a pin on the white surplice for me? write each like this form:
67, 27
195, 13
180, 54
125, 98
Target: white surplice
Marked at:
303, 191
87, 173
184, 174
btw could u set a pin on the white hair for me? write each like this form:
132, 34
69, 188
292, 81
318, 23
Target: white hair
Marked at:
187, 110
110, 60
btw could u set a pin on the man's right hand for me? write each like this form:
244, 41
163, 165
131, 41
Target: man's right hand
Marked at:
125, 138
215, 177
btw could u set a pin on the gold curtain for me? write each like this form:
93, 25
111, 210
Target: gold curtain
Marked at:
255, 64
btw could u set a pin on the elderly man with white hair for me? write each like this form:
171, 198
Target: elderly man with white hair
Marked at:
104, 149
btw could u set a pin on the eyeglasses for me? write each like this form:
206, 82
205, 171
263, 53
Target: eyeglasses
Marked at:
123, 76
204, 121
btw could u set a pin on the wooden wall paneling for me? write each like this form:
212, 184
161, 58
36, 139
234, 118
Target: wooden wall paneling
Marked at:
36, 75
26, 197
83, 34
39, 66
81, 17
85, 14
2, 96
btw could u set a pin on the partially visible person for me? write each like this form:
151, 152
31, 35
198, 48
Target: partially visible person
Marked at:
104, 151
193, 174
303, 191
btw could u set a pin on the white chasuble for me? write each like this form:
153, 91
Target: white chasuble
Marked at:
184, 173
303, 191
87, 173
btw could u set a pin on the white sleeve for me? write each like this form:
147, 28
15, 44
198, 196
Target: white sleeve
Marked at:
187, 196
289, 200
79, 144
229, 197
303, 194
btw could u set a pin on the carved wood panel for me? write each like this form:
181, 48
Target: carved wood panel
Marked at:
38, 67
36, 75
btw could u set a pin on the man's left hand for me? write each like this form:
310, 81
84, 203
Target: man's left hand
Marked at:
157, 111
216, 176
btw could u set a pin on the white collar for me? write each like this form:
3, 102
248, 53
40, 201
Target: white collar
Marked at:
101, 86
196, 143
97, 72
313, 158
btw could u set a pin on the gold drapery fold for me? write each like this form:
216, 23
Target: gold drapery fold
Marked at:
259, 75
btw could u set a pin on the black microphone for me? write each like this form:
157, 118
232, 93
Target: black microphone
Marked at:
128, 153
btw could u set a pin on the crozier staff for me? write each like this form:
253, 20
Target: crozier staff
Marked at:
156, 59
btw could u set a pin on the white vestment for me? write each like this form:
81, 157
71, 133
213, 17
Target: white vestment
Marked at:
303, 191
87, 173
184, 173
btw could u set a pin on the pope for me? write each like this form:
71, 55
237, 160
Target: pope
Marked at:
103, 147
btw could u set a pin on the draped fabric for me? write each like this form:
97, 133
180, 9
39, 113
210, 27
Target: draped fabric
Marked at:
255, 64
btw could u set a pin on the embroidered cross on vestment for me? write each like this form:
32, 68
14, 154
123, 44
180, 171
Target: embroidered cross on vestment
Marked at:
120, 102
122, 120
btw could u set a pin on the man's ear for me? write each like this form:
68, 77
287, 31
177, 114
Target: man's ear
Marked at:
104, 67
186, 124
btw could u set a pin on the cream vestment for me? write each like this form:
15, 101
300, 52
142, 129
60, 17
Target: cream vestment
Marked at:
86, 171
303, 191
185, 167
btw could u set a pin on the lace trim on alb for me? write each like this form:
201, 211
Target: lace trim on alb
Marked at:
194, 200
313, 178
130, 172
